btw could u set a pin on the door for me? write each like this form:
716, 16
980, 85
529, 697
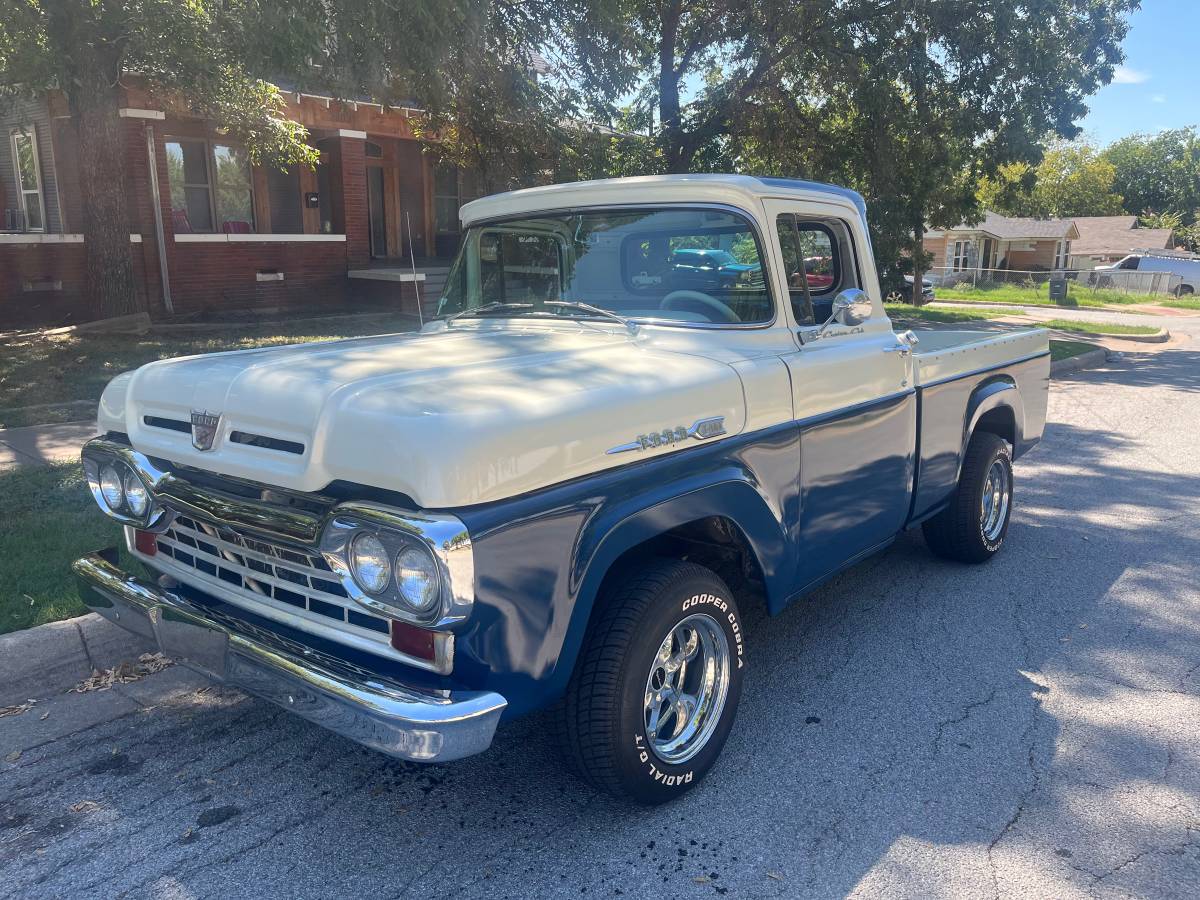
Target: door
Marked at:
376, 217
852, 396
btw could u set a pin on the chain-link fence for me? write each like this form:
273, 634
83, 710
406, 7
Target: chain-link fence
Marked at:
945, 279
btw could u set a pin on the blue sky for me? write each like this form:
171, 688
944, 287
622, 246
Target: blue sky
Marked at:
1157, 87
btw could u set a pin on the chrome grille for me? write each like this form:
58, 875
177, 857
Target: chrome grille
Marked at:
285, 583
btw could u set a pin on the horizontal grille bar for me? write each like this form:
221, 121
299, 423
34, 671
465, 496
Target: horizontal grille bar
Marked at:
265, 575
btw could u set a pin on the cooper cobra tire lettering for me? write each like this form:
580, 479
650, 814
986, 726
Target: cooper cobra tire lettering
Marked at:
605, 714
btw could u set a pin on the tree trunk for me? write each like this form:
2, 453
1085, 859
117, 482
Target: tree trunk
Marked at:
670, 121
918, 258
91, 69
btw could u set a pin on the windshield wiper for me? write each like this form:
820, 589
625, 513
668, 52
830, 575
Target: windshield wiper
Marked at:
629, 324
486, 308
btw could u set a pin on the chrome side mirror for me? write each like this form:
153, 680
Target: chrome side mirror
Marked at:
850, 307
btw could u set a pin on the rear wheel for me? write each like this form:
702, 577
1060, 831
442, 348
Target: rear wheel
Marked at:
656, 690
1183, 290
973, 527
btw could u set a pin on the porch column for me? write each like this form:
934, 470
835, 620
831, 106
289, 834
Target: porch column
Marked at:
134, 124
352, 146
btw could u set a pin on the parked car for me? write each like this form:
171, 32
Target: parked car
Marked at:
703, 267
1188, 270
902, 292
561, 504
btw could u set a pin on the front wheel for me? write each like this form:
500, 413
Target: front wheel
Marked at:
973, 527
655, 692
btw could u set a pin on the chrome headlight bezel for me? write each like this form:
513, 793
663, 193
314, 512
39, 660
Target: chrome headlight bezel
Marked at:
99, 455
444, 539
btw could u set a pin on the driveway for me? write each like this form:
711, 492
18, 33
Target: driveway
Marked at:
915, 728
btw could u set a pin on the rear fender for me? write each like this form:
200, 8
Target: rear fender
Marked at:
999, 392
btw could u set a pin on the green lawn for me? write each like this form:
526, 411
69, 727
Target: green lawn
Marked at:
1079, 295
1190, 301
49, 520
1067, 349
56, 368
906, 313
1098, 327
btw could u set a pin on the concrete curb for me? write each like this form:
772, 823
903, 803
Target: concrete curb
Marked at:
40, 662
1082, 361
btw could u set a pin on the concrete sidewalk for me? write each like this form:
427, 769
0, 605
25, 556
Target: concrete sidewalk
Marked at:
39, 445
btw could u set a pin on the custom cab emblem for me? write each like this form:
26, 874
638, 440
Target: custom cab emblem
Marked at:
701, 430
204, 428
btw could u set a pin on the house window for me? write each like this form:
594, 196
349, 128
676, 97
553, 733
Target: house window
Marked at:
1062, 254
960, 255
446, 198
452, 187
210, 188
29, 177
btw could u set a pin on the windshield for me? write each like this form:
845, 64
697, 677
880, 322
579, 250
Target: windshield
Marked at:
686, 265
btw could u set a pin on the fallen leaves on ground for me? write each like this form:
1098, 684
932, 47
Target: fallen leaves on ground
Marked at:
123, 673
85, 806
13, 757
16, 710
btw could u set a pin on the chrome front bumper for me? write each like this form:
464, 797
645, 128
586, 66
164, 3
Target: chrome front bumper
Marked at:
374, 711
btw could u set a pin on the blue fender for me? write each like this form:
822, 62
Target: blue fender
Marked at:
542, 558
995, 393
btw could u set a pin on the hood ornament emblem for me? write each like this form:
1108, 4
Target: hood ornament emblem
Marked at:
204, 428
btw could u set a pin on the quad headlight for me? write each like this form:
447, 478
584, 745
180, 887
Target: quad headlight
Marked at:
112, 488
417, 578
122, 483
416, 568
369, 563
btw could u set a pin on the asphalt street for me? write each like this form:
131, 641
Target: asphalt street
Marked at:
916, 728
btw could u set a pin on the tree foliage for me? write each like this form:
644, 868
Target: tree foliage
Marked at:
1158, 173
1072, 179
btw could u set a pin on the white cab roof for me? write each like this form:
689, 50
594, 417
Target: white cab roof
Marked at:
739, 191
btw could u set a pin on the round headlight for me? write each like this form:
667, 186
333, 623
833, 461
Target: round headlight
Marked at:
136, 494
369, 563
417, 578
111, 488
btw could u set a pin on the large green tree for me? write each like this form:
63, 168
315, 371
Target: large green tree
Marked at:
910, 101
223, 58
1072, 179
938, 97
1158, 173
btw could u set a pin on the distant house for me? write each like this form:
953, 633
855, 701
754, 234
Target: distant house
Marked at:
1106, 239
1003, 242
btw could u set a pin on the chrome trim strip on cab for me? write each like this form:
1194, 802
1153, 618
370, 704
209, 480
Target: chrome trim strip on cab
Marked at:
376, 712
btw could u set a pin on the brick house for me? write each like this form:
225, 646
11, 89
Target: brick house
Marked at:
1002, 242
212, 233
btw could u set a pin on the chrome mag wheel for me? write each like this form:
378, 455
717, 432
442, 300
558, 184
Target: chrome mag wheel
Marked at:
686, 688
994, 508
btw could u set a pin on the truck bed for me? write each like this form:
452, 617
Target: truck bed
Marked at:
942, 355
953, 371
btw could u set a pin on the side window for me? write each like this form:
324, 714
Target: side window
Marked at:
1129, 262
815, 254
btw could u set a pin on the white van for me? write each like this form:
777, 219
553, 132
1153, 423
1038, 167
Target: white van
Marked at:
1187, 268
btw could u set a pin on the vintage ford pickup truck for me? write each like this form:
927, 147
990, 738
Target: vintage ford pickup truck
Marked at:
644, 405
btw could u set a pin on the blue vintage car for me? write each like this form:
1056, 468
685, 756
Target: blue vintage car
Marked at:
563, 492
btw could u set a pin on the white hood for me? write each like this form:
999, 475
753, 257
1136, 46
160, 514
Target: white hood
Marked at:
466, 415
